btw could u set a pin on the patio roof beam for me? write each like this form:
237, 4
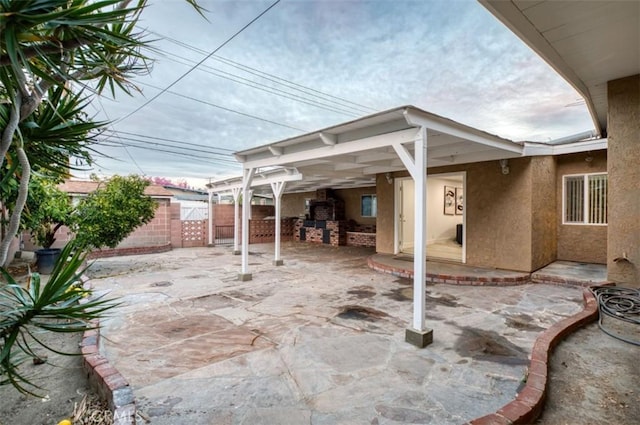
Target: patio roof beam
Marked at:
354, 146
466, 133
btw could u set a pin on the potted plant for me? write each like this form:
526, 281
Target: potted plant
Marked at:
48, 208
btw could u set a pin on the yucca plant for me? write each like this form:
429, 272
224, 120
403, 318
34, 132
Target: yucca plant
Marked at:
45, 45
60, 305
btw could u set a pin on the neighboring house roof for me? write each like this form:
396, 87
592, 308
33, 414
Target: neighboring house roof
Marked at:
587, 42
185, 194
84, 187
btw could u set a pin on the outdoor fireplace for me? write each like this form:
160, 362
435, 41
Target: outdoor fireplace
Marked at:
325, 222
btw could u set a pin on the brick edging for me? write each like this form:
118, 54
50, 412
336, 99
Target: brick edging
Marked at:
520, 279
136, 250
529, 402
104, 378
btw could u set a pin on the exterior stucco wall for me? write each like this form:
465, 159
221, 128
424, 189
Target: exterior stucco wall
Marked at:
352, 200
577, 242
499, 215
544, 232
292, 204
499, 210
624, 181
385, 220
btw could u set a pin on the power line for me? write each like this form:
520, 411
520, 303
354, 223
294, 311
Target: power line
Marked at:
190, 70
193, 157
171, 140
223, 108
147, 142
125, 148
267, 76
253, 84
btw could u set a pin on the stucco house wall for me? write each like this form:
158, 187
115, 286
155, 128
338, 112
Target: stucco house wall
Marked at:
352, 203
624, 181
578, 242
544, 231
293, 203
499, 213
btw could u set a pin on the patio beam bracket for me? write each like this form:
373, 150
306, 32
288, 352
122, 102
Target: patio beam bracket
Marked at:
328, 138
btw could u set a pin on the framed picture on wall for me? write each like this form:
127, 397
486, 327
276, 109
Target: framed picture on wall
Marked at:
459, 201
449, 200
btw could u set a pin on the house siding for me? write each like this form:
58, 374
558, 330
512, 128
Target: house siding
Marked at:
544, 231
351, 198
624, 180
499, 214
385, 223
582, 243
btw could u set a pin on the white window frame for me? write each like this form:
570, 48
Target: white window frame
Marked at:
586, 200
374, 205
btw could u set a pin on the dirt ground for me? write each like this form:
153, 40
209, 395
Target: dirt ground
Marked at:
62, 382
594, 379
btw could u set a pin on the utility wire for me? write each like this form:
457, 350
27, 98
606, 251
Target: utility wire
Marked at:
147, 142
194, 157
253, 84
222, 107
172, 140
267, 76
190, 70
125, 148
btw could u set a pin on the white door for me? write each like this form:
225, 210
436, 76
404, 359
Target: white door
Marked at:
406, 217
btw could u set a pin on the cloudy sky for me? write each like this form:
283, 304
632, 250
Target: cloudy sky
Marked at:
306, 65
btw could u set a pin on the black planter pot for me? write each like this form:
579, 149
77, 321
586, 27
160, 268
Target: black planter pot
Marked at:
46, 259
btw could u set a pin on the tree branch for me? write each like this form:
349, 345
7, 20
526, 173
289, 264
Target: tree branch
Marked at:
10, 130
46, 49
23, 191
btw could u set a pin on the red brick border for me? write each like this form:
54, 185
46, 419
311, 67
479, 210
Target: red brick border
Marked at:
529, 402
104, 378
116, 252
520, 279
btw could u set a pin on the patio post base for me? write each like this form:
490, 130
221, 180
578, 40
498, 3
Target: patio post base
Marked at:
243, 277
236, 252
211, 244
278, 262
419, 338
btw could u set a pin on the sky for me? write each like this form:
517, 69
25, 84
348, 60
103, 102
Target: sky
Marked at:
306, 65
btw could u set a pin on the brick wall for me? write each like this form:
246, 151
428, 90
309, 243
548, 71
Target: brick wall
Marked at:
155, 233
263, 231
315, 231
223, 215
361, 239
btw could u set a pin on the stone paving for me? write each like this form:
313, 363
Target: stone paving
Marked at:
319, 340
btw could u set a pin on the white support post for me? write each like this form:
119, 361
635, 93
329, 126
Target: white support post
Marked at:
418, 334
236, 191
211, 239
247, 193
278, 189
420, 240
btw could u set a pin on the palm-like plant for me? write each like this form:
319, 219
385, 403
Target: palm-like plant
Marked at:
47, 44
60, 305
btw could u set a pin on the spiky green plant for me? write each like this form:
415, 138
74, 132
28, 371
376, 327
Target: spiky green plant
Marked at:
59, 305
